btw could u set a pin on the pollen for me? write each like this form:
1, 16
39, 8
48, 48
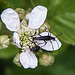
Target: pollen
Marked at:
26, 37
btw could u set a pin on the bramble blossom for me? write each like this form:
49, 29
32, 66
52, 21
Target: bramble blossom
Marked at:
22, 36
12, 22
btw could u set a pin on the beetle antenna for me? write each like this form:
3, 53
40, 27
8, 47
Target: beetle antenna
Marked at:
59, 34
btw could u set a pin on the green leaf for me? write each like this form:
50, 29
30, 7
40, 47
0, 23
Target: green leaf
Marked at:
61, 18
9, 52
65, 24
64, 64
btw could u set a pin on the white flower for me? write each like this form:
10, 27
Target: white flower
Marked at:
12, 22
37, 17
27, 16
51, 45
11, 19
16, 39
28, 59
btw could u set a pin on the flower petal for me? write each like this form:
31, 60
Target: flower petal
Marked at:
16, 39
28, 60
55, 45
37, 17
11, 19
27, 16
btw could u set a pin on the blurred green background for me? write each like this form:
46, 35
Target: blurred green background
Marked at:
61, 18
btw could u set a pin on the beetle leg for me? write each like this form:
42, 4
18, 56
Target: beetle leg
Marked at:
32, 41
44, 44
59, 34
58, 47
40, 35
57, 43
48, 34
33, 35
52, 45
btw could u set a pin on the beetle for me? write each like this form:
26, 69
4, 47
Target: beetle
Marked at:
35, 48
48, 41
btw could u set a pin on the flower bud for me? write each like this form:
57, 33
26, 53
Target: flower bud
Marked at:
21, 13
16, 60
46, 60
23, 24
28, 14
4, 41
44, 27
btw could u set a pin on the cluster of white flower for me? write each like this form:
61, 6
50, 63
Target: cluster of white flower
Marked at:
23, 32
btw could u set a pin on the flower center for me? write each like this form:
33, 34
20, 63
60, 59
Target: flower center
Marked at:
26, 38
